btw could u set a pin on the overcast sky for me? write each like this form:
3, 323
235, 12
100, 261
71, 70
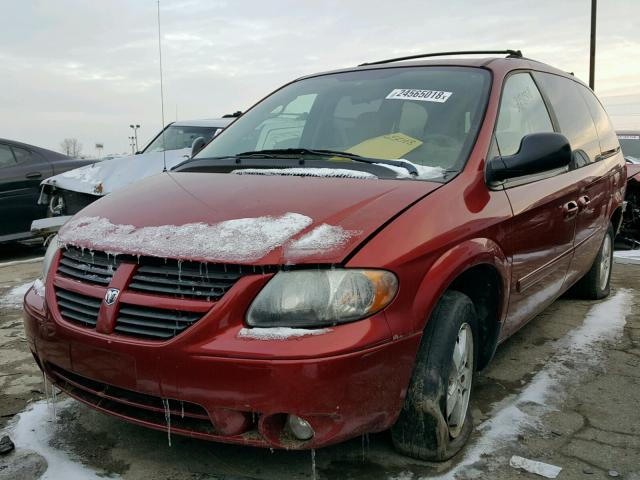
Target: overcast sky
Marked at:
87, 69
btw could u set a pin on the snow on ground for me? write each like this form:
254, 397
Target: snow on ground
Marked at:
582, 347
307, 172
627, 256
35, 428
322, 238
13, 298
279, 333
18, 262
242, 239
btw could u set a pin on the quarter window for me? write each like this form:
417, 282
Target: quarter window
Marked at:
606, 134
522, 112
6, 157
573, 115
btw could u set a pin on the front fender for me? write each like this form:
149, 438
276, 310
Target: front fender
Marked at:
450, 265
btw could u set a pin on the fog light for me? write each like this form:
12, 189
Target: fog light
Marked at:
300, 427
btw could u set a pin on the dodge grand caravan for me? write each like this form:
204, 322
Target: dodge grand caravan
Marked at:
341, 260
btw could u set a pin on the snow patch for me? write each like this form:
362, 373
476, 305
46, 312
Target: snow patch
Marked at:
306, 172
13, 298
424, 172
20, 262
38, 287
581, 348
34, 429
321, 238
88, 174
279, 333
627, 256
243, 239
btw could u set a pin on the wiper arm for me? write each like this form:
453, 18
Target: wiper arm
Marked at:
274, 153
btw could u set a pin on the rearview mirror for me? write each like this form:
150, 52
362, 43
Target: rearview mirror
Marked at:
197, 145
538, 153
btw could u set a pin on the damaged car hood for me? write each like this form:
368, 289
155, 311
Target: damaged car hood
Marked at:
107, 176
242, 219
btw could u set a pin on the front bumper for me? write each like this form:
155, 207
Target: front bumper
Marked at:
224, 396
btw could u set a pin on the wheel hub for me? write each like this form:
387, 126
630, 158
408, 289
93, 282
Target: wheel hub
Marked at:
460, 379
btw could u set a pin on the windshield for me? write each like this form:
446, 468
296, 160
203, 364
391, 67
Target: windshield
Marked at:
630, 145
426, 115
178, 137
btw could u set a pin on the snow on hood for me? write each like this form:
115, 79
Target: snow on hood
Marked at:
243, 239
321, 238
110, 175
306, 172
251, 219
424, 172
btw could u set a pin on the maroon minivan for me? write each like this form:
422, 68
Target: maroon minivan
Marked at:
341, 260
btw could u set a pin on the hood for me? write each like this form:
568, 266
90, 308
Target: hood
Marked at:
110, 175
633, 170
244, 219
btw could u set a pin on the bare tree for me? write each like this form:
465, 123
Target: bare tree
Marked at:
71, 147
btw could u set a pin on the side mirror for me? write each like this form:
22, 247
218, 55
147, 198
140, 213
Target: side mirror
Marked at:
197, 145
538, 153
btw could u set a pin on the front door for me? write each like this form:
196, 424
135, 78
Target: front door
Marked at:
21, 172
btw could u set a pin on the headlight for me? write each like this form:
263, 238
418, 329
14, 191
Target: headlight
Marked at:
48, 257
316, 298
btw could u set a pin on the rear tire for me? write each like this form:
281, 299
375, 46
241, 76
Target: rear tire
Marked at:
596, 284
435, 421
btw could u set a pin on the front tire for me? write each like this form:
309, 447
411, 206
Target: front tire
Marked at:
435, 421
596, 284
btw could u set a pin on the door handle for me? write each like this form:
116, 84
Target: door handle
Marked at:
33, 175
584, 201
570, 209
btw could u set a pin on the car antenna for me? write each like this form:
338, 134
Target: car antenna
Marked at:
164, 149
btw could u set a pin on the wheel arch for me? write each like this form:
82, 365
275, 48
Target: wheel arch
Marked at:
479, 269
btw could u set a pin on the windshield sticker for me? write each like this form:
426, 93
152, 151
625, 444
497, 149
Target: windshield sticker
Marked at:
390, 146
628, 137
423, 95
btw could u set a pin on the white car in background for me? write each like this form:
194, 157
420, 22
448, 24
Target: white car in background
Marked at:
69, 192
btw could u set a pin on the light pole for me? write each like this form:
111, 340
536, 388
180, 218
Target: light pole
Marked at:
135, 135
592, 50
132, 143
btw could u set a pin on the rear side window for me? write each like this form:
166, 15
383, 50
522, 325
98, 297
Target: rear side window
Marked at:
6, 157
522, 112
606, 133
21, 154
573, 115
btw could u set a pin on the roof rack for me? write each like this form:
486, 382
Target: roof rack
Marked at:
508, 53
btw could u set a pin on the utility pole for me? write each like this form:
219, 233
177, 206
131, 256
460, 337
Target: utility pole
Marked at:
592, 53
135, 135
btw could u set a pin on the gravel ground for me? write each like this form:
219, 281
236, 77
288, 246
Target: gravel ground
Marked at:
564, 390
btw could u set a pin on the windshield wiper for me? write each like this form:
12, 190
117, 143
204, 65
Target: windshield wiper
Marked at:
276, 152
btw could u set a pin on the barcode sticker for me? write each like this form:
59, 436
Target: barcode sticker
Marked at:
422, 95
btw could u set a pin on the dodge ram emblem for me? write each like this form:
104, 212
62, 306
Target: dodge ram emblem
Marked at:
111, 296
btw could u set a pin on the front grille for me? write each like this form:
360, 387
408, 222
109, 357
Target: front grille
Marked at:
155, 323
187, 279
88, 266
186, 417
78, 308
151, 277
